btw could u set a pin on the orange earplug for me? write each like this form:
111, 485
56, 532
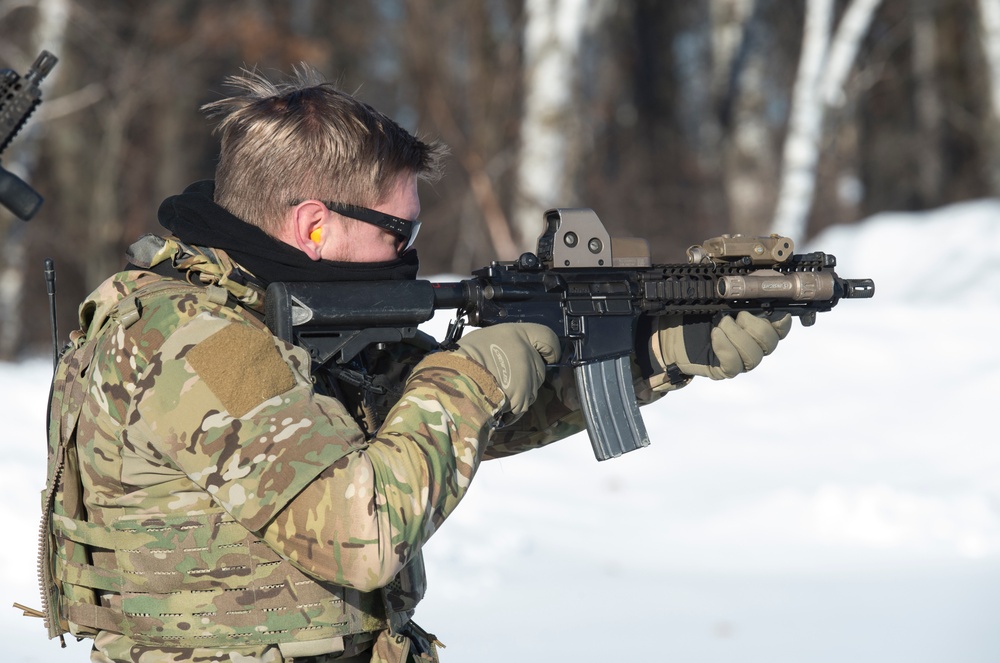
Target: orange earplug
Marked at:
316, 236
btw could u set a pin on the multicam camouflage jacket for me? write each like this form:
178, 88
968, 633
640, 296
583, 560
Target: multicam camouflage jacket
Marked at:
204, 502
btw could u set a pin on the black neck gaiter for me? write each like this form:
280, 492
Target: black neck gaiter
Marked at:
194, 218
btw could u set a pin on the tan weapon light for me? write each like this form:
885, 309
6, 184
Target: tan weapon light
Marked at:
766, 284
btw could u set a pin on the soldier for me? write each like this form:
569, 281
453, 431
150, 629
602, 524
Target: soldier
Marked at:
207, 501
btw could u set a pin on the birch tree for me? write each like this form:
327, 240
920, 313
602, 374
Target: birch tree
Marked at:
740, 84
824, 65
554, 34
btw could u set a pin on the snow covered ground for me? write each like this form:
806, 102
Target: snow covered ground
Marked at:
839, 504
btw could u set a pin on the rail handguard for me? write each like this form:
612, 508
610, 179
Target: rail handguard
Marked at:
590, 289
19, 97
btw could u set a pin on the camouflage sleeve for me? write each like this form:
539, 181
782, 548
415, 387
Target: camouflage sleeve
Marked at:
371, 512
555, 414
238, 415
236, 411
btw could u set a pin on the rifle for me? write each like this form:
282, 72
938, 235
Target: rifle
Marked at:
590, 289
18, 99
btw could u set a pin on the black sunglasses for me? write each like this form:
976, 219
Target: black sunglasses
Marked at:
404, 229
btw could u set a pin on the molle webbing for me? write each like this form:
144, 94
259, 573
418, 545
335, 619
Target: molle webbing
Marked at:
189, 580
203, 581
63, 495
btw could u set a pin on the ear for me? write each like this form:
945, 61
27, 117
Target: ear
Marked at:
305, 227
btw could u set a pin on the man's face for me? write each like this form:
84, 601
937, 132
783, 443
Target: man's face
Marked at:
356, 241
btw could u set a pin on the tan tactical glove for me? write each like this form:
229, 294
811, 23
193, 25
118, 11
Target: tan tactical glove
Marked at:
516, 354
685, 346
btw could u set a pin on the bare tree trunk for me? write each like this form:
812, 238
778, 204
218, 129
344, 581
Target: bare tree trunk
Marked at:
801, 152
12, 273
823, 69
749, 163
553, 37
49, 34
104, 217
989, 22
467, 134
989, 17
729, 25
927, 102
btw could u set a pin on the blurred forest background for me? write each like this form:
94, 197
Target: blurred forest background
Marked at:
675, 121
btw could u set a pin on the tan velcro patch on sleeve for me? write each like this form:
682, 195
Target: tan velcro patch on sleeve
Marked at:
242, 367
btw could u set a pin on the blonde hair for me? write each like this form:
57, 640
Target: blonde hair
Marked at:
302, 138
